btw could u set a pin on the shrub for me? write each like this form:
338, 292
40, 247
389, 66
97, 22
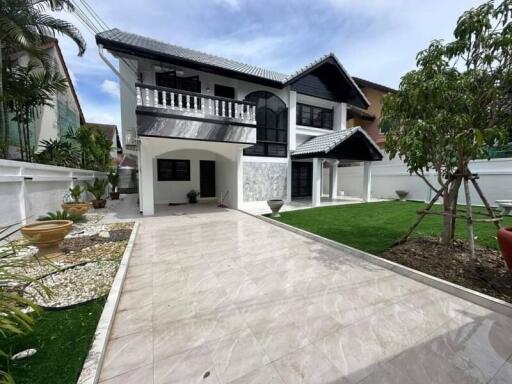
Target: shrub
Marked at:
62, 215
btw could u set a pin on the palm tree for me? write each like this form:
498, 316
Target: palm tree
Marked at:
25, 26
28, 89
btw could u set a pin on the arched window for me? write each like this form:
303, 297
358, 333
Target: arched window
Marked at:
272, 125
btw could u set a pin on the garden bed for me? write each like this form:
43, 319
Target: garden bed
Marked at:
452, 263
78, 274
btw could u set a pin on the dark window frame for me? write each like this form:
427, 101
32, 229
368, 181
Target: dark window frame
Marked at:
277, 145
222, 90
306, 114
171, 173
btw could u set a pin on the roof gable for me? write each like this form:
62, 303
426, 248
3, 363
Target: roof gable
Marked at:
328, 79
347, 144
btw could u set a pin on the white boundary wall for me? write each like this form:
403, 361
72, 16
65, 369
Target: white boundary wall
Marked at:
28, 190
391, 175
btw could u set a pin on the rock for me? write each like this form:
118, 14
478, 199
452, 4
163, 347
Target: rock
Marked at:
104, 234
24, 354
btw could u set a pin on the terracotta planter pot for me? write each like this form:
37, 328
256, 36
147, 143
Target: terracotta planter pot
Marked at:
114, 195
78, 208
97, 204
275, 206
505, 242
46, 233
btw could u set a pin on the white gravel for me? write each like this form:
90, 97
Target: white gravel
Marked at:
74, 285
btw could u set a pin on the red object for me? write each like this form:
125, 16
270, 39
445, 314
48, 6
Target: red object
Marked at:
505, 242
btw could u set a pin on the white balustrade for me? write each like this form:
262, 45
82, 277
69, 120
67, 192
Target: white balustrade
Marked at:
195, 103
139, 97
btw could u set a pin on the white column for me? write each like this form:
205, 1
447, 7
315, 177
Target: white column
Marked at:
239, 195
289, 181
317, 182
292, 120
333, 180
147, 181
367, 181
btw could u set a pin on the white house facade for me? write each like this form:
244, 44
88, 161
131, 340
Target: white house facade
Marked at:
234, 132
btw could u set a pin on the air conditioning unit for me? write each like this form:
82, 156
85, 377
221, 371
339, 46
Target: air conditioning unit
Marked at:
131, 138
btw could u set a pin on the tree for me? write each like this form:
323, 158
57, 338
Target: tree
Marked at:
26, 26
94, 148
455, 105
28, 89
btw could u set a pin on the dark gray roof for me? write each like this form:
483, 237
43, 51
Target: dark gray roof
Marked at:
325, 143
131, 39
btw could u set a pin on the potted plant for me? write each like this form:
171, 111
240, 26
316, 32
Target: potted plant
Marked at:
402, 194
113, 179
192, 196
98, 190
76, 206
46, 233
505, 243
275, 205
62, 215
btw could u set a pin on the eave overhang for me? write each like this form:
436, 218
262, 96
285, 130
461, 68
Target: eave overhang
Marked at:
350, 144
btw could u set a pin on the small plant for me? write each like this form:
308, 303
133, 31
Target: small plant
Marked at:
75, 193
62, 215
113, 179
13, 320
98, 188
192, 196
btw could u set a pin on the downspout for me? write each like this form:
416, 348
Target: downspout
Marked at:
114, 69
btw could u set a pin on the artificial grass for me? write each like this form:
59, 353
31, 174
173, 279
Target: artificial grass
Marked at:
62, 339
375, 227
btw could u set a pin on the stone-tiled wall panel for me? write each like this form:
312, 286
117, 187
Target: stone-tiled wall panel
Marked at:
263, 181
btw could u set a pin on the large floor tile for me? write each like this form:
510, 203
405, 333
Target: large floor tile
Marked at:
126, 354
308, 366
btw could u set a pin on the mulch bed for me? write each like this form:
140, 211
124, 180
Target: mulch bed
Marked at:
452, 263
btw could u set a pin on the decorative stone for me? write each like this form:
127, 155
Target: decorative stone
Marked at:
104, 234
263, 181
24, 354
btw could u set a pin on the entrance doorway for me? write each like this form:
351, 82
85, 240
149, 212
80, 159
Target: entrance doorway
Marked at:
302, 179
207, 178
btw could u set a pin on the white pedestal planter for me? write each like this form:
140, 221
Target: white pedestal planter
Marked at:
505, 206
275, 206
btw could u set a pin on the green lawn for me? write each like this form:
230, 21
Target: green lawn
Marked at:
374, 227
62, 340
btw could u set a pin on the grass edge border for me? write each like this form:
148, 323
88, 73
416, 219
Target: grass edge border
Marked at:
93, 362
459, 291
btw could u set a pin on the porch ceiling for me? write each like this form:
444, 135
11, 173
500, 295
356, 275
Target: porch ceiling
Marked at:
348, 144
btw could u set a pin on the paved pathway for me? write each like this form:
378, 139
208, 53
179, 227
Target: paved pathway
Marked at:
217, 296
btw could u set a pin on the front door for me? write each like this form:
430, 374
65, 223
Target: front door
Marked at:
302, 179
207, 178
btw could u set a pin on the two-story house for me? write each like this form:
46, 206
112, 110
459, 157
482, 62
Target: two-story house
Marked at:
232, 131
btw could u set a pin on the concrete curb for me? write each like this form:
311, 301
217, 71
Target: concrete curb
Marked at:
475, 297
92, 366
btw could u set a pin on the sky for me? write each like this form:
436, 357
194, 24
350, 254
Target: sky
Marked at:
374, 39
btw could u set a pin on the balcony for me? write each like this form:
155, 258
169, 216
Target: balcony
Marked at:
174, 113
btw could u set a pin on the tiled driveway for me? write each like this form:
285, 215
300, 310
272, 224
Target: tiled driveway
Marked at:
217, 296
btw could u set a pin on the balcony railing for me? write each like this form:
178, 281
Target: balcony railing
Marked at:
195, 104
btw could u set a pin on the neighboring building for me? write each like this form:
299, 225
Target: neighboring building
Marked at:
111, 133
51, 122
232, 131
369, 119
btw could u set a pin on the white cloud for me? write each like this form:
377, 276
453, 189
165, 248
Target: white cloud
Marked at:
110, 87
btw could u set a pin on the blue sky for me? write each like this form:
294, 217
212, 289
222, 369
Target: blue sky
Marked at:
374, 39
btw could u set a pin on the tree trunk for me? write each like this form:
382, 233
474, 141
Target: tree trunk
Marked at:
450, 195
